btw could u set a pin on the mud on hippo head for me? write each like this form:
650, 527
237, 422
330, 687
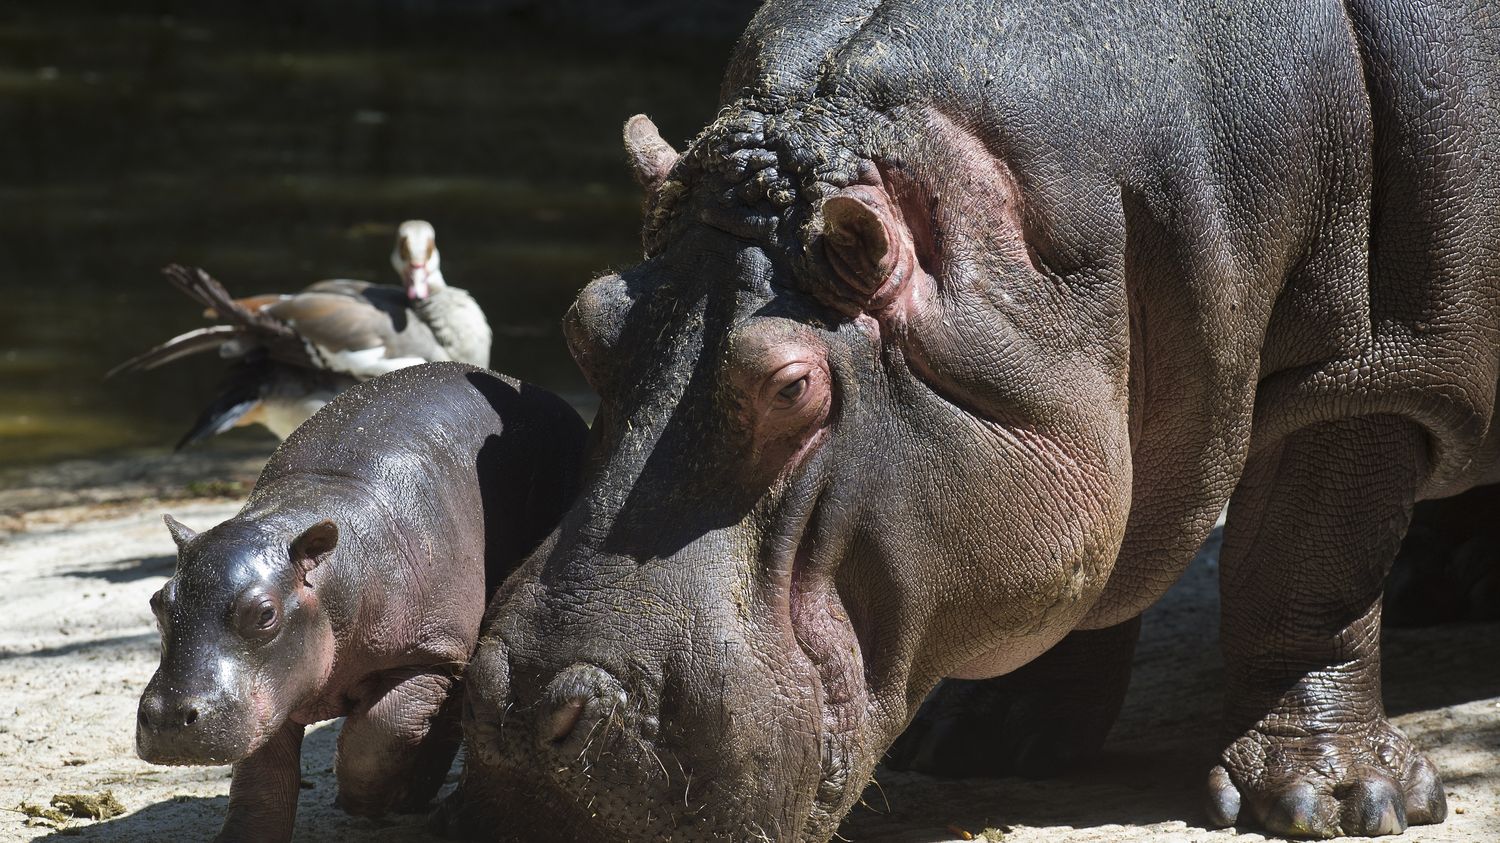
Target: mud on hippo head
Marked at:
849, 443
244, 641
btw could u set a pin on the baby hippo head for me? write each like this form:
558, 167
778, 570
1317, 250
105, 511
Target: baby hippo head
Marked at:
244, 640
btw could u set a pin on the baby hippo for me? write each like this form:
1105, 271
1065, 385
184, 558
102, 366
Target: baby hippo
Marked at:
353, 582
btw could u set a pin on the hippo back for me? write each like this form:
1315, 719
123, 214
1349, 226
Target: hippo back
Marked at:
424, 439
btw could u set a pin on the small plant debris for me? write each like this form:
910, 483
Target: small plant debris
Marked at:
43, 816
68, 806
100, 806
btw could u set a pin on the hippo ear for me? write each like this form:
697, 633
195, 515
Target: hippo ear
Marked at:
651, 158
314, 545
865, 243
181, 533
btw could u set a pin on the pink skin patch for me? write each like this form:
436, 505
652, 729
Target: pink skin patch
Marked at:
787, 396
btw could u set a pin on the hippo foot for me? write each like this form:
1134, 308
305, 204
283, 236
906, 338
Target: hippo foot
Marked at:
1365, 782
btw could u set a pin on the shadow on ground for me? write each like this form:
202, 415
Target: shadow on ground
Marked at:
127, 570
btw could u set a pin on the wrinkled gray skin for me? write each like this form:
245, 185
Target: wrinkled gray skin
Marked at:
956, 330
353, 583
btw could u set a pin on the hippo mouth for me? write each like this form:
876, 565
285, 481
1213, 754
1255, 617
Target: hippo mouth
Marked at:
214, 735
819, 630
826, 639
182, 750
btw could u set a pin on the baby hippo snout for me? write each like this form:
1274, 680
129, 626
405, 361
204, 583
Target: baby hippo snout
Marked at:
188, 728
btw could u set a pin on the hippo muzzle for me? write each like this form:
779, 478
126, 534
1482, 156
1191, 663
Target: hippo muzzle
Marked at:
709, 738
197, 724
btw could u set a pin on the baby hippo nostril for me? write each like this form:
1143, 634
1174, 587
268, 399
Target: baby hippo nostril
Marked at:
158, 713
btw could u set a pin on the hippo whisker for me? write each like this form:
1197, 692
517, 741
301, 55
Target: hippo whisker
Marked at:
646, 748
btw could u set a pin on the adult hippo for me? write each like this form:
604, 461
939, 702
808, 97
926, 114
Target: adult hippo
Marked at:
956, 330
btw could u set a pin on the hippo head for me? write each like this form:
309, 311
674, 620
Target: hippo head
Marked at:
244, 641
850, 442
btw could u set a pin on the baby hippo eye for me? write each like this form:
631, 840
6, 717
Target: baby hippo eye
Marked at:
259, 615
788, 395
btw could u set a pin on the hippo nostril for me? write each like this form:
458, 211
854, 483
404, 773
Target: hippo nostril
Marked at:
157, 713
565, 719
579, 694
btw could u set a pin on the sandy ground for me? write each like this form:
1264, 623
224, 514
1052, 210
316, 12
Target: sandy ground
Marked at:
82, 548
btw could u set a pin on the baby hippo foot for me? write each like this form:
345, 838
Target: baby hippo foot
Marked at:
1367, 781
1041, 720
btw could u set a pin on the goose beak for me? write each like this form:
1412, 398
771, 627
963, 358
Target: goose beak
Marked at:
415, 277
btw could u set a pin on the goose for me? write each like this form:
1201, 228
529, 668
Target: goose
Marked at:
293, 352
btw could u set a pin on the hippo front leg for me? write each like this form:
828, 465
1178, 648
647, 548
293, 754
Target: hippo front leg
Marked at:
1312, 529
263, 793
394, 753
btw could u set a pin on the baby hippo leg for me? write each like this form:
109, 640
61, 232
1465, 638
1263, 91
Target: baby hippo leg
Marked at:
395, 749
263, 793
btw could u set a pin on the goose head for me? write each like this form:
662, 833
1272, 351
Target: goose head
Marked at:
415, 259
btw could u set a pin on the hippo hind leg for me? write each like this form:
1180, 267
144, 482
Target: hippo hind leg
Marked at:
1045, 718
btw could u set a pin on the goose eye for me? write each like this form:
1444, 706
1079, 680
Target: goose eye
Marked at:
791, 392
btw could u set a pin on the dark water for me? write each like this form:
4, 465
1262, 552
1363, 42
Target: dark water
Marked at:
275, 151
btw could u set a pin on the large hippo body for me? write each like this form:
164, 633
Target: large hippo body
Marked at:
956, 330
353, 582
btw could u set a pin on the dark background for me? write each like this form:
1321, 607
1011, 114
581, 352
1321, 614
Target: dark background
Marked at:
279, 143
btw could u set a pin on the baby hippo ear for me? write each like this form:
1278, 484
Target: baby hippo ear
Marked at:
867, 246
314, 545
181, 533
651, 158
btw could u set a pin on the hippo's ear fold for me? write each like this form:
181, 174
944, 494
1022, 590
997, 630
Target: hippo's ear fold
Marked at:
314, 545
866, 244
181, 533
651, 158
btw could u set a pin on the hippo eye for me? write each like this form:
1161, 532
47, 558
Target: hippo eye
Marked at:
789, 394
259, 615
